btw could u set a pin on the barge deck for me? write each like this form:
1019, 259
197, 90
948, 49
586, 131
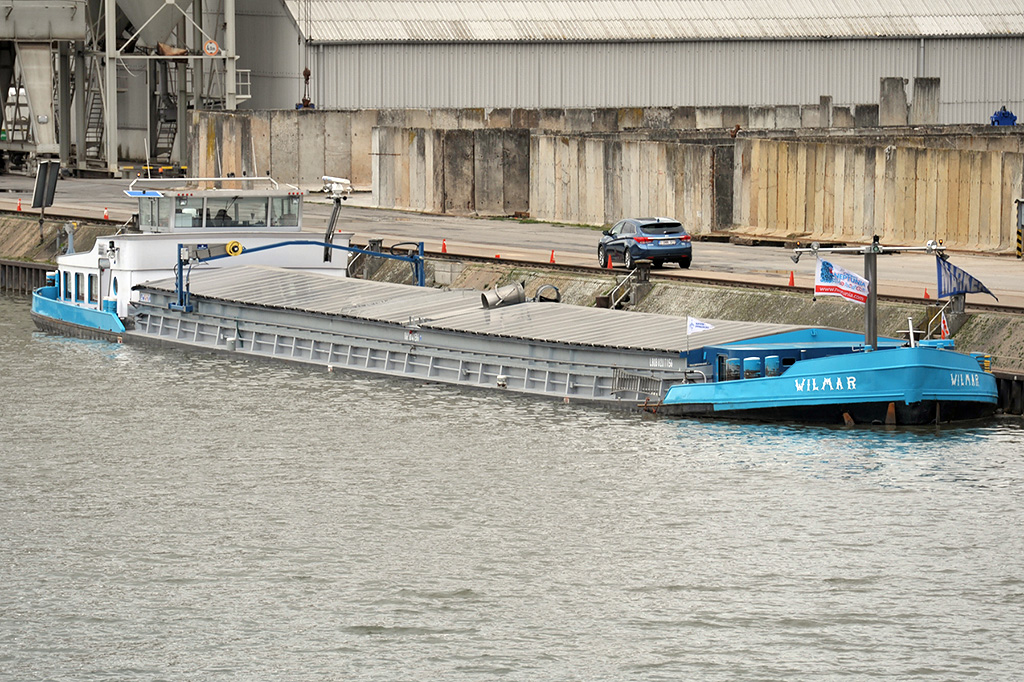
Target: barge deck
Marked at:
562, 351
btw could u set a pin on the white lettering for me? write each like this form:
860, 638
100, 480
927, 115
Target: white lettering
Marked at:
835, 383
965, 380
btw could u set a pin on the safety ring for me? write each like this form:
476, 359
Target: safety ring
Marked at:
234, 248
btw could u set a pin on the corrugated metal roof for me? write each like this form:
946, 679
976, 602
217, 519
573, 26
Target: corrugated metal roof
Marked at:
640, 20
459, 311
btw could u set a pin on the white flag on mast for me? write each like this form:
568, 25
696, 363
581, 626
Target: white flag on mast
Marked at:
693, 325
832, 280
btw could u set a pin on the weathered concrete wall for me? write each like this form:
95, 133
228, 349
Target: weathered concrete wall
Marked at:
223, 144
597, 180
293, 146
892, 102
924, 107
482, 171
300, 146
838, 183
906, 195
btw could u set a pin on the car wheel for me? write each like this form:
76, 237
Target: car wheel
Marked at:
602, 257
685, 263
628, 260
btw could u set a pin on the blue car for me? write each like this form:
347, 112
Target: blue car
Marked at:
660, 240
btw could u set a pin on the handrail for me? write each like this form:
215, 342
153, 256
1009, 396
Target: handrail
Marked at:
186, 258
936, 319
244, 178
621, 285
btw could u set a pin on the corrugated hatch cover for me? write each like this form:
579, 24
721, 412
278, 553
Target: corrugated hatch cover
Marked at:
458, 310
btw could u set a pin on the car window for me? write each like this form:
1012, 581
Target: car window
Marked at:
618, 227
628, 229
664, 228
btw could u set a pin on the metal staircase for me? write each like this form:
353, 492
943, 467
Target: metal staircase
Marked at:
93, 112
165, 109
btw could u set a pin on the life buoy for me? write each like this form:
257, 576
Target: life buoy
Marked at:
234, 248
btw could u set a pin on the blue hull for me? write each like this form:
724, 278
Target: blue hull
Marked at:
919, 385
52, 314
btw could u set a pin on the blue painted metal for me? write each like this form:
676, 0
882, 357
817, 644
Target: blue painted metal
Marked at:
787, 348
897, 375
1003, 118
46, 303
180, 283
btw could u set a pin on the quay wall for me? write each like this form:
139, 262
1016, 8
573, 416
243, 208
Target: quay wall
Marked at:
461, 172
22, 277
956, 189
905, 184
301, 145
20, 240
597, 180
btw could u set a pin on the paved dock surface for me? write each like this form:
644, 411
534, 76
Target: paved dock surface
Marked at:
909, 274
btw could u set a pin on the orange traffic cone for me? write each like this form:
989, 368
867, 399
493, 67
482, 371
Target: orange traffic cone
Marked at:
19, 204
609, 261
106, 215
444, 246
926, 293
497, 255
790, 278
552, 257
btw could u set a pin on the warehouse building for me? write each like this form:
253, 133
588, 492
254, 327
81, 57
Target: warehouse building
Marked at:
539, 54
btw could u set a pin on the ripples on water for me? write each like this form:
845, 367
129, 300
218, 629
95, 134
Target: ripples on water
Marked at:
167, 515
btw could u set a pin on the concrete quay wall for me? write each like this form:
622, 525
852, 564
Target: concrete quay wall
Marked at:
461, 172
300, 145
905, 184
598, 180
847, 192
580, 179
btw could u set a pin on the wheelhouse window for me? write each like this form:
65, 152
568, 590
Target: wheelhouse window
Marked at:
66, 276
154, 213
284, 211
236, 211
80, 287
188, 212
94, 288
147, 212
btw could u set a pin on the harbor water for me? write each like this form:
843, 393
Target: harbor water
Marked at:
166, 515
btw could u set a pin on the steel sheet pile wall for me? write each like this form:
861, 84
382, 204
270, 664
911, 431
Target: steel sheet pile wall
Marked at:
905, 194
597, 180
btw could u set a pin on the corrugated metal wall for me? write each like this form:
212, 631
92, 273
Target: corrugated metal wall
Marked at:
977, 75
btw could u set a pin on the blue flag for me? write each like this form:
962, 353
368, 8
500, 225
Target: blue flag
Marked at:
953, 280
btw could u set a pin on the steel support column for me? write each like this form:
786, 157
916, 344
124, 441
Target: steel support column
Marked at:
64, 101
110, 128
230, 78
871, 306
81, 96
